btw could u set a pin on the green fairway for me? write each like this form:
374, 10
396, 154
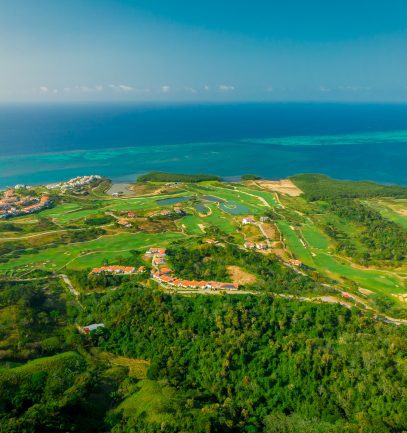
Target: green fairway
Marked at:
391, 209
220, 219
191, 224
318, 257
90, 253
302, 225
294, 244
314, 237
370, 279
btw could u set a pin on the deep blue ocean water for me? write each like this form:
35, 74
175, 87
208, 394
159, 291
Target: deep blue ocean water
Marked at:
48, 143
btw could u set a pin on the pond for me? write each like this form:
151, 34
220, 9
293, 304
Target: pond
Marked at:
172, 200
201, 208
212, 198
234, 208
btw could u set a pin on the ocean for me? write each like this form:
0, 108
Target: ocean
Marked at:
49, 143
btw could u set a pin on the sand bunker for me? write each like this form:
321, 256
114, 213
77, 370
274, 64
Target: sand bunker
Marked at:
283, 186
401, 297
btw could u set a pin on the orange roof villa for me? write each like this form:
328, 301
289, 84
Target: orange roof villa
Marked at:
114, 270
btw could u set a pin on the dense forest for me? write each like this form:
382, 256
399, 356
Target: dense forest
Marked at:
250, 364
320, 187
209, 262
216, 364
159, 176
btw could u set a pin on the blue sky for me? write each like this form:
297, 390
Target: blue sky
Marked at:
173, 50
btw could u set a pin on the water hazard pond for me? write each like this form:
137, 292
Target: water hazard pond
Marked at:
234, 208
230, 207
173, 200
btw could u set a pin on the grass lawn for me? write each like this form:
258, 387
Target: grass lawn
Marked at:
370, 279
191, 224
294, 244
220, 219
150, 401
390, 209
314, 237
266, 195
90, 253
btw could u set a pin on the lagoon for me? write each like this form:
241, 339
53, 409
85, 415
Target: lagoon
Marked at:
45, 144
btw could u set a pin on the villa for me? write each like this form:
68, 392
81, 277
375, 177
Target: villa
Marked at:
92, 328
125, 270
261, 246
160, 251
124, 223
187, 284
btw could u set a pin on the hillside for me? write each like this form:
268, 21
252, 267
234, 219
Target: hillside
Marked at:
205, 306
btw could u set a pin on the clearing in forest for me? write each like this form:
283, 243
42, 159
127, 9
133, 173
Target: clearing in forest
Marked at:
283, 186
240, 276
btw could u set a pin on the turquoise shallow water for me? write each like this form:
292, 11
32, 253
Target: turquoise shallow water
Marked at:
48, 144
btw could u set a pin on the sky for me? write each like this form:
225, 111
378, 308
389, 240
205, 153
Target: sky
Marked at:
201, 51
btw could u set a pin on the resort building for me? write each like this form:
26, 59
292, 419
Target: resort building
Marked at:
124, 223
92, 328
160, 251
261, 246
187, 284
248, 220
114, 270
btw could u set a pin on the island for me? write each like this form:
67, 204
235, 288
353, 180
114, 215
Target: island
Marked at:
196, 304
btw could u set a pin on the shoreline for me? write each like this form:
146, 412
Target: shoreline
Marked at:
132, 179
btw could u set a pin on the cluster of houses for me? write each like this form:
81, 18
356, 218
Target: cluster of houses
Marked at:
11, 205
256, 245
123, 270
157, 252
123, 223
211, 241
177, 211
159, 256
76, 183
164, 275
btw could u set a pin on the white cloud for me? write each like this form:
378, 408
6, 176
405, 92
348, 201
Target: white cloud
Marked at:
125, 88
44, 89
226, 88
84, 89
165, 89
190, 90
206, 87
324, 89
121, 87
270, 89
